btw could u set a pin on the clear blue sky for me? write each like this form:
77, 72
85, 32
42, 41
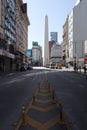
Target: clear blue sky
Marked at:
57, 11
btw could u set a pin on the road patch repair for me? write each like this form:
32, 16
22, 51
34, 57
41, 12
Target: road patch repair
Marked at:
43, 112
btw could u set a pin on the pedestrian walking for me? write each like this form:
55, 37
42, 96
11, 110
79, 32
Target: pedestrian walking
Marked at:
84, 69
75, 67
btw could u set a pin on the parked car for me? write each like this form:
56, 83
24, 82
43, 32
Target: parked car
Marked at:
30, 67
23, 67
58, 66
52, 66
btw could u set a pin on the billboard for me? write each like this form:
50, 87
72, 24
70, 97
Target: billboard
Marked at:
29, 52
85, 58
85, 52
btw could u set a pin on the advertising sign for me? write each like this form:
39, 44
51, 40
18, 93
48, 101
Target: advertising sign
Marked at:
29, 53
85, 58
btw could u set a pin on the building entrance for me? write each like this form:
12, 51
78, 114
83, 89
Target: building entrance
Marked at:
1, 65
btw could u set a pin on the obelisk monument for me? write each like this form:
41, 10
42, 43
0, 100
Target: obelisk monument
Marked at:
46, 42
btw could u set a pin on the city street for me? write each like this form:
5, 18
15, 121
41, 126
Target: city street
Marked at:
70, 89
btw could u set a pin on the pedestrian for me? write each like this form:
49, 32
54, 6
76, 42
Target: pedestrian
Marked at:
84, 70
75, 67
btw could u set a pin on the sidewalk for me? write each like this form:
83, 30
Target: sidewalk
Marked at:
81, 72
4, 75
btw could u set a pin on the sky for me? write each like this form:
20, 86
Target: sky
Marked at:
57, 11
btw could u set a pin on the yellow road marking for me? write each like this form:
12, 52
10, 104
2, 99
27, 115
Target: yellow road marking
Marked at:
43, 102
43, 94
43, 109
18, 125
44, 91
51, 123
34, 123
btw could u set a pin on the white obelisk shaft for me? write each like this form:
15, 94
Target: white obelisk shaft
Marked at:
46, 42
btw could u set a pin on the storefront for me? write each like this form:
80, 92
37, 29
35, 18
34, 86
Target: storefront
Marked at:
6, 61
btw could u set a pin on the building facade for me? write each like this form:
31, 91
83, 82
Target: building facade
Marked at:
8, 40
65, 41
36, 54
22, 23
53, 36
56, 53
77, 31
51, 43
70, 36
13, 33
2, 41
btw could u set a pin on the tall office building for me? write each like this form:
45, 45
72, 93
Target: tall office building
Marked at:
36, 54
7, 35
77, 32
22, 23
13, 34
46, 43
53, 36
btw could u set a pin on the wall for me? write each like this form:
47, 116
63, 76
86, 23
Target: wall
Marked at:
79, 28
0, 12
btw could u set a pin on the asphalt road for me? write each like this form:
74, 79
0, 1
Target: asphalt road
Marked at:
70, 88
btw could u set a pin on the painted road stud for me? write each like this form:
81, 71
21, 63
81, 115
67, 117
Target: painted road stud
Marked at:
23, 107
23, 117
14, 124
